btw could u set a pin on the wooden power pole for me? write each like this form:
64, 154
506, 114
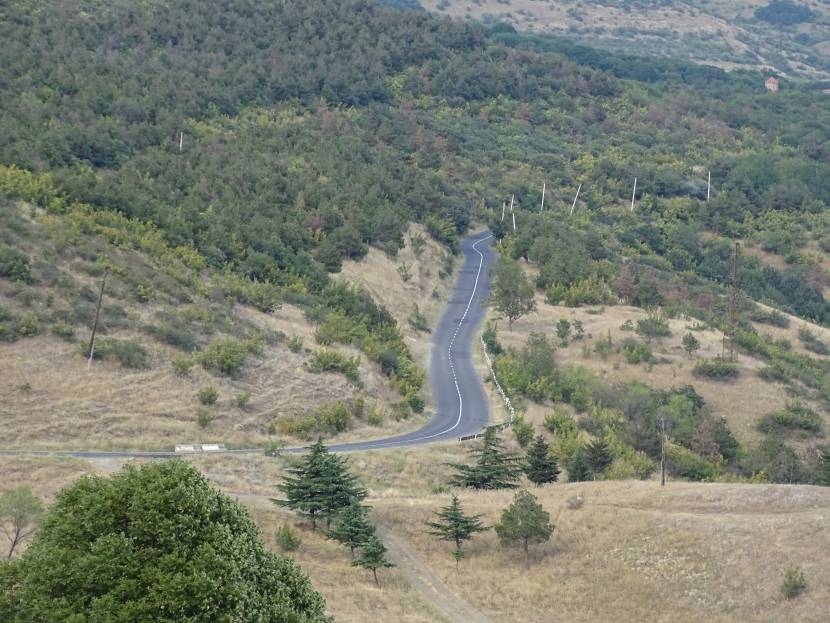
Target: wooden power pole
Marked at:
95, 322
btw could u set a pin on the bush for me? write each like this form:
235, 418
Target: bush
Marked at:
287, 538
203, 417
795, 416
717, 369
176, 336
64, 331
334, 418
560, 424
416, 403
812, 343
636, 352
491, 340
652, 327
794, 583
523, 431
242, 399
14, 265
28, 325
182, 365
208, 395
684, 463
332, 361
228, 355
128, 353
770, 317
295, 344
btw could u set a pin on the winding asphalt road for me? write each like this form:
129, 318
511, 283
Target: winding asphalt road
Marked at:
460, 403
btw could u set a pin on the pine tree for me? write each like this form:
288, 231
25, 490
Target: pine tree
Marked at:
372, 556
542, 466
690, 344
320, 485
453, 525
494, 467
524, 523
598, 457
351, 528
577, 469
824, 472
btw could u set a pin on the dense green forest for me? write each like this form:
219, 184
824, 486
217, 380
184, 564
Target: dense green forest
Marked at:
266, 141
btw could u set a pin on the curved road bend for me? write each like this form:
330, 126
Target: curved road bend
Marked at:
460, 403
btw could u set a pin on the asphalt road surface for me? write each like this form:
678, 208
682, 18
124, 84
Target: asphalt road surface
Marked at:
460, 403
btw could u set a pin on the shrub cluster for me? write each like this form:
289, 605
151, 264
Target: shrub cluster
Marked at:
718, 368
327, 360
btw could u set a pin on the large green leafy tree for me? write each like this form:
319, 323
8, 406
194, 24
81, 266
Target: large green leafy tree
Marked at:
524, 523
453, 525
512, 293
494, 467
320, 485
158, 544
542, 467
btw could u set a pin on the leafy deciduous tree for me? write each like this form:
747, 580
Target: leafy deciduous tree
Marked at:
512, 294
524, 523
20, 513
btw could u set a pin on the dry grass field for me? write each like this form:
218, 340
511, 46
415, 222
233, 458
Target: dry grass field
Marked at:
717, 32
633, 551
742, 401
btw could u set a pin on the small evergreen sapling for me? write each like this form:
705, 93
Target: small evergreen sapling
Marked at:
373, 557
598, 457
453, 525
351, 528
542, 466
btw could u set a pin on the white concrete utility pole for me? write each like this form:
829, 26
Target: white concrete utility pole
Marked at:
573, 205
181, 140
514, 221
503, 207
709, 187
544, 184
633, 194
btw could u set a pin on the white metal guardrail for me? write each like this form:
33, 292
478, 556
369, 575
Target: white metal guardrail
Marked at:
510, 410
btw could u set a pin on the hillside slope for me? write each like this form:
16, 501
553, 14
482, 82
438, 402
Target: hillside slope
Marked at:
786, 38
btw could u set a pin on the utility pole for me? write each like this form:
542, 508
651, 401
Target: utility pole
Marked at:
181, 140
633, 194
95, 322
709, 187
662, 449
733, 302
503, 206
573, 205
544, 184
514, 221
512, 198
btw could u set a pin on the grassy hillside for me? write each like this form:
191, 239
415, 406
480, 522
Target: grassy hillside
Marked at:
682, 553
779, 36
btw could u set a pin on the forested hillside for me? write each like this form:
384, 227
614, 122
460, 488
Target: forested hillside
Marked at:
258, 145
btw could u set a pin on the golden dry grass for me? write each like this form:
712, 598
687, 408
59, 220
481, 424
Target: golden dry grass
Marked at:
636, 552
742, 402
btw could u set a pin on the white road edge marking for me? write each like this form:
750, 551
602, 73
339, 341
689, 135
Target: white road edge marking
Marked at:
449, 357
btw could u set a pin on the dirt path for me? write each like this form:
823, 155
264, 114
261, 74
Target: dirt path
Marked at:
431, 587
